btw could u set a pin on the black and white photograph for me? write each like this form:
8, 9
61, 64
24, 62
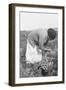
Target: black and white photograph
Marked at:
36, 44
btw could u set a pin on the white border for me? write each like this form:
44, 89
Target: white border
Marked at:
38, 79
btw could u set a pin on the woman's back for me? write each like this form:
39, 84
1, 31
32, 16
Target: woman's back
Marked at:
38, 35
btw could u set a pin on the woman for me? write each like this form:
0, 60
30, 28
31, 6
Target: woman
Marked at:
36, 44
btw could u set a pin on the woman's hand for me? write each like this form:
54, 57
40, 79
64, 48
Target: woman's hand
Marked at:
46, 49
39, 50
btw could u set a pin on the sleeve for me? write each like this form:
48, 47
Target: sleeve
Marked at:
43, 39
31, 39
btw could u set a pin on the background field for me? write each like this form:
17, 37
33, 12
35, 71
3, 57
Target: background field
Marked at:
49, 63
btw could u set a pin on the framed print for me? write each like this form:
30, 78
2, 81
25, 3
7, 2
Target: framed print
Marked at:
36, 44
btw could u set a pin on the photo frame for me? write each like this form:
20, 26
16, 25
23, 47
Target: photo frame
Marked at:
26, 22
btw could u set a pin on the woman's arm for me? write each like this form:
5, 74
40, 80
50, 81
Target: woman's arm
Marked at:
31, 43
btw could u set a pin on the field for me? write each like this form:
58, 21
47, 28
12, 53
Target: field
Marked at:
47, 67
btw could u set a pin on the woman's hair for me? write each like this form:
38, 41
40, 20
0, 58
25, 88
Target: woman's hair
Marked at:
51, 33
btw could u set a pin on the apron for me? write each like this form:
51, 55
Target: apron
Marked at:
32, 56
